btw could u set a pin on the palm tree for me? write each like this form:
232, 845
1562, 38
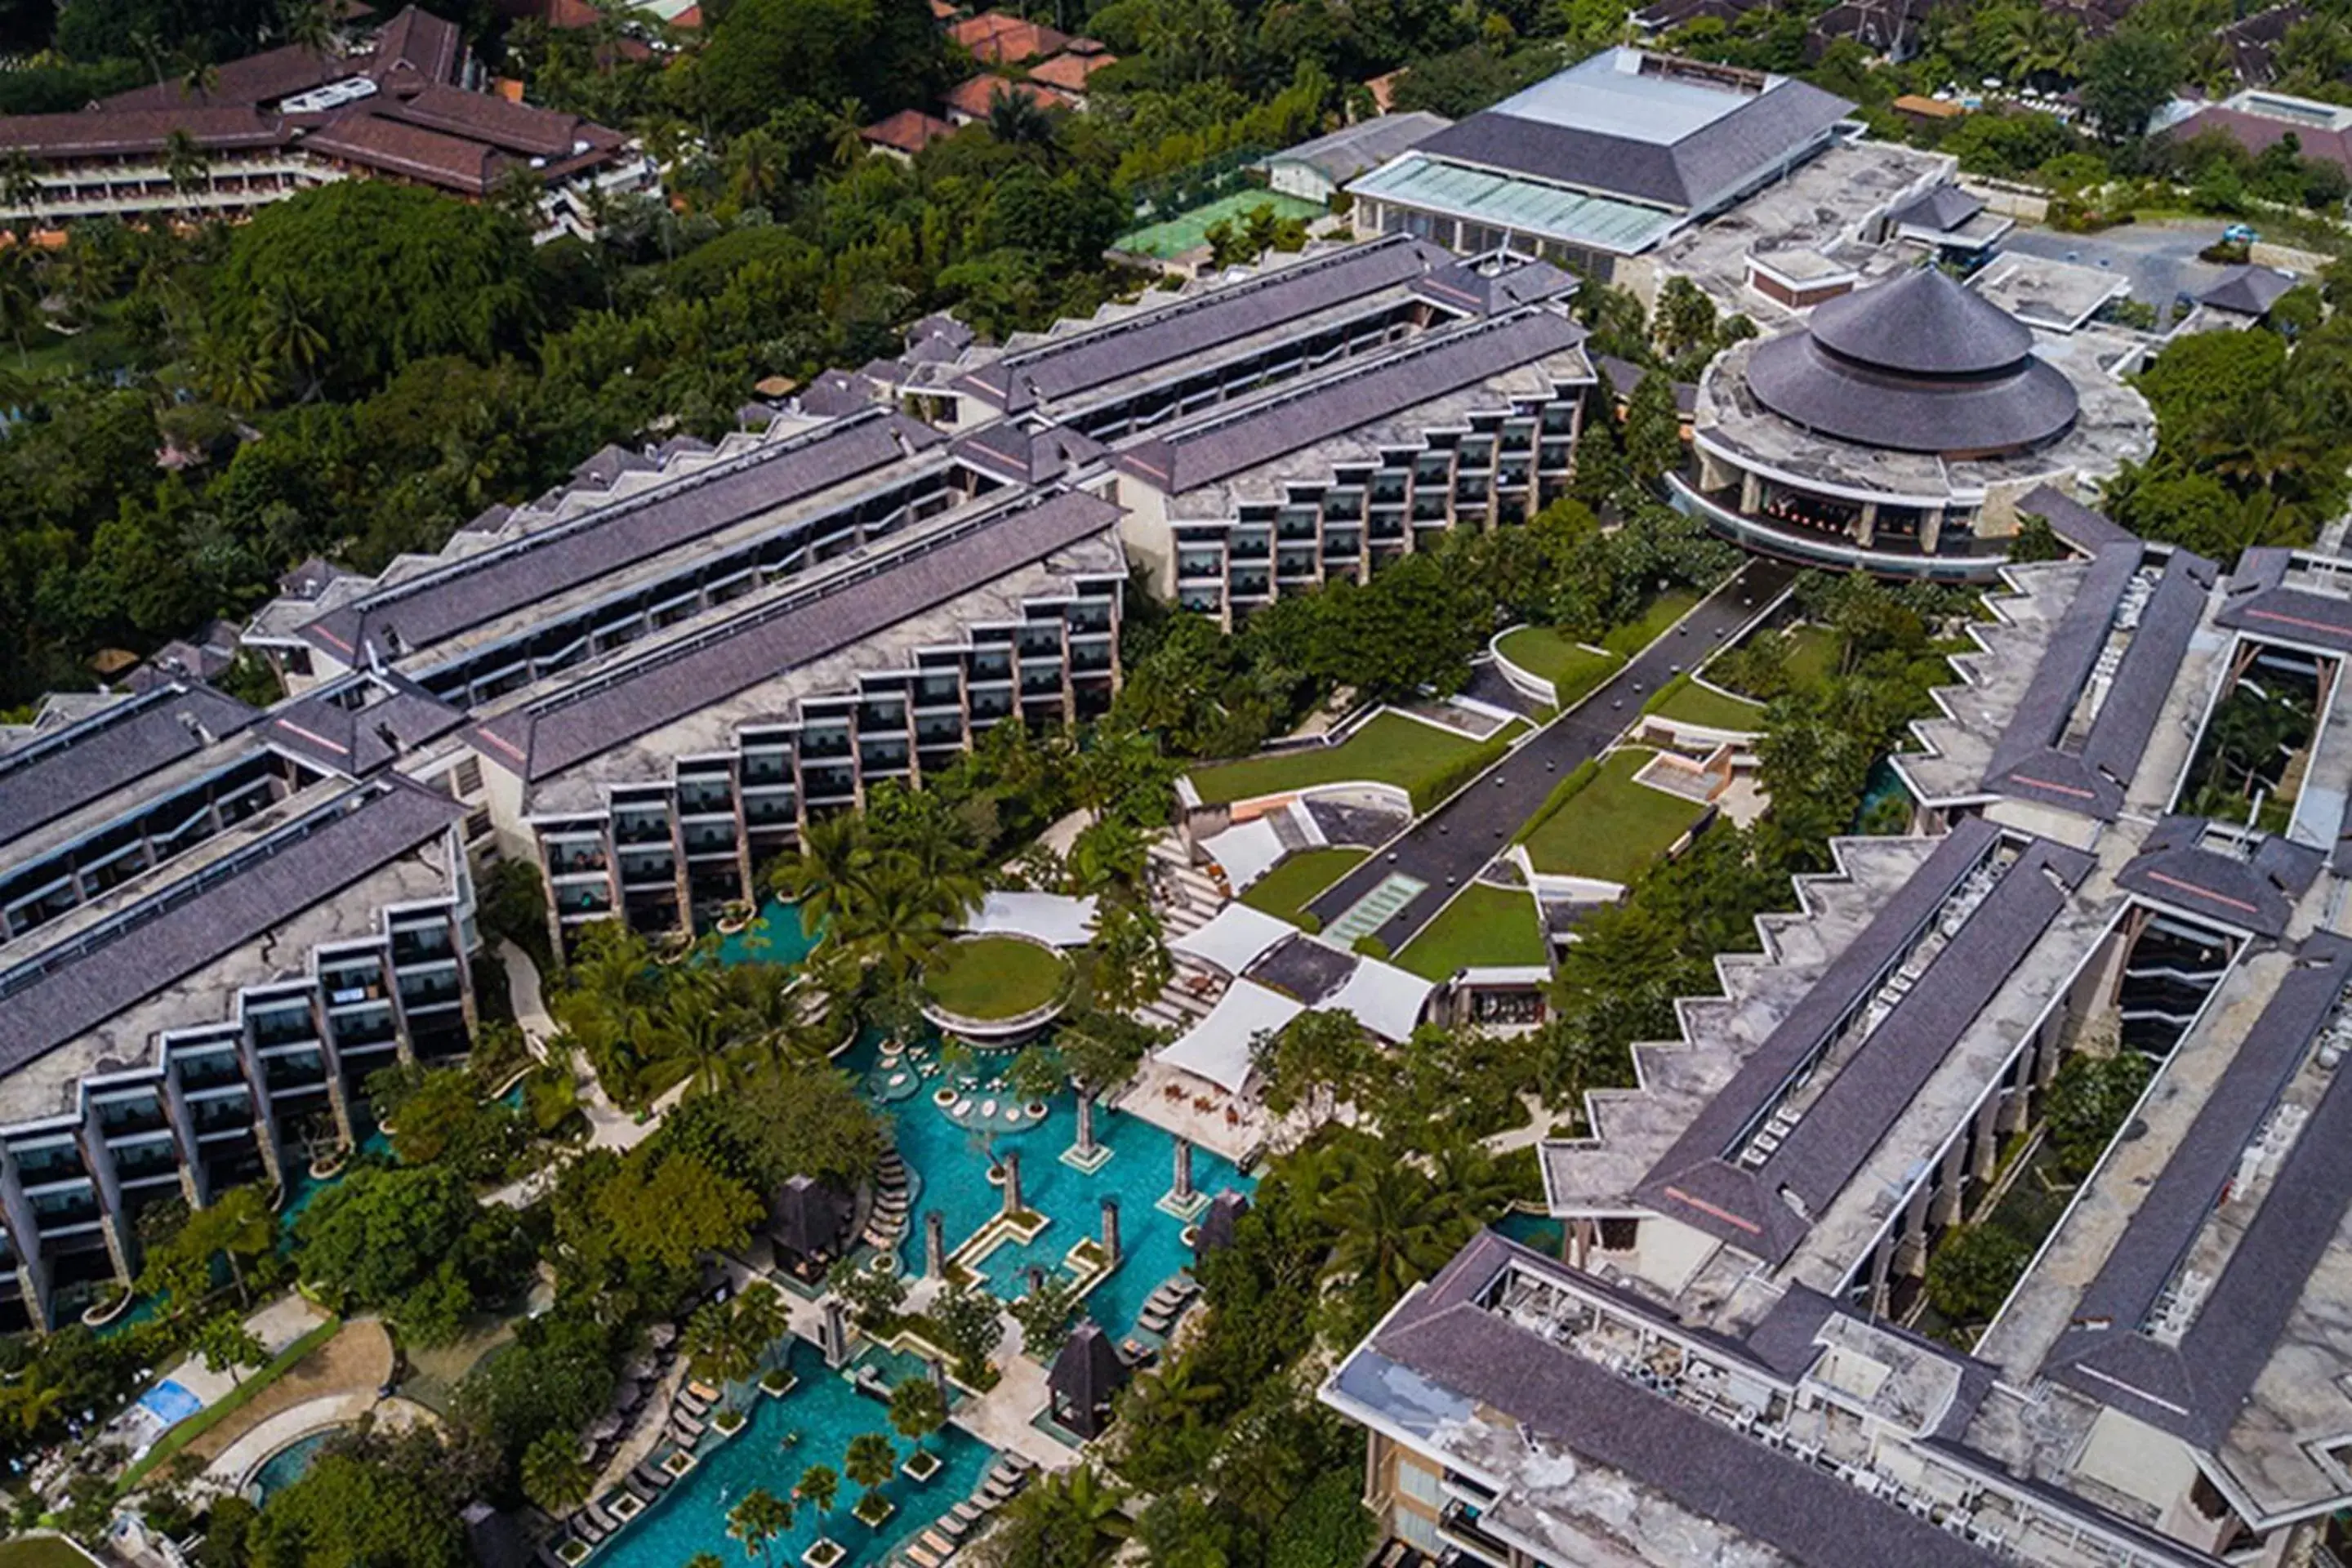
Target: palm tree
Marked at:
1173, 1398
820, 1485
306, 24
718, 1347
1391, 1229
758, 1520
697, 1025
761, 1318
894, 919
1015, 118
707, 1560
286, 335
184, 165
20, 185
1074, 1507
918, 1410
239, 1225
1110, 856
832, 854
938, 853
870, 1462
20, 296
554, 1475
847, 132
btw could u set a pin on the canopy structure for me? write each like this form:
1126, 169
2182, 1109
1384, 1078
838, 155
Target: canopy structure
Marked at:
1051, 918
1385, 999
1237, 937
1218, 1047
1248, 850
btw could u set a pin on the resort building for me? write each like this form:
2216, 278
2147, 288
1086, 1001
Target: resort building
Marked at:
1601, 162
1319, 169
1734, 1352
1897, 428
402, 106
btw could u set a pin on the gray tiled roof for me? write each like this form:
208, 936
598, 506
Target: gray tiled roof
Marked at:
2087, 531
1086, 1371
1198, 323
466, 593
182, 928
1346, 152
2027, 762
1019, 455
1703, 1466
1697, 1182
1492, 288
1943, 209
2257, 893
678, 678
51, 775
356, 726
1242, 436
1707, 166
2195, 1388
2248, 290
2257, 600
1917, 365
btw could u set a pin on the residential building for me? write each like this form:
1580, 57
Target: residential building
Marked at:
1601, 162
969, 101
2257, 117
904, 133
400, 107
1730, 1359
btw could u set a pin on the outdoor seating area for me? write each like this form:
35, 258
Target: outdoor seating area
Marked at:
1167, 1304
946, 1534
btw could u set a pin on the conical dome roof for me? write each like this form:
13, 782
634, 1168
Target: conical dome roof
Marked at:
1919, 365
1922, 323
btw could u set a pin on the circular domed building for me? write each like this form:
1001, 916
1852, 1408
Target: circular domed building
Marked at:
1897, 428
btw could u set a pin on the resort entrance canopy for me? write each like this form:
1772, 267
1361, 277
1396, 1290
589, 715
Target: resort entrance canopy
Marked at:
1517, 204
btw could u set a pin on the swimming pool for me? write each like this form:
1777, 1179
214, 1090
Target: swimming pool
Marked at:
288, 1465
775, 937
811, 1425
953, 1165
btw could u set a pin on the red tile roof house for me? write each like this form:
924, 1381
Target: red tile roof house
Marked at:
289, 118
968, 101
999, 39
1070, 70
904, 133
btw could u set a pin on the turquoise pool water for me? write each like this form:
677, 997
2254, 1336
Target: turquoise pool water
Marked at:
775, 937
286, 1466
1538, 1231
826, 1412
953, 1165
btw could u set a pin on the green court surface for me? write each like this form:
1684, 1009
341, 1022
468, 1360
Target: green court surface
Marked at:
1180, 234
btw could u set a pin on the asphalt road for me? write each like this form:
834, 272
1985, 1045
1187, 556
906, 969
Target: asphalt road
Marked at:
1447, 849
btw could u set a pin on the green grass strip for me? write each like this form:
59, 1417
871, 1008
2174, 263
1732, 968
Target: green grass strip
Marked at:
237, 1398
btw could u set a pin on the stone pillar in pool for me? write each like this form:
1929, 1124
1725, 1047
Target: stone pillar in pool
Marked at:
1085, 1125
1180, 1199
935, 1244
1110, 1232
1037, 1278
1012, 1182
836, 1332
939, 1379
1084, 1153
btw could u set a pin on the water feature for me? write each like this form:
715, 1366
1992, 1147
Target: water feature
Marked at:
775, 937
290, 1464
811, 1425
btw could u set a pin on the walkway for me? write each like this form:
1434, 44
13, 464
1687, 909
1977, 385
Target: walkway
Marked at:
1447, 849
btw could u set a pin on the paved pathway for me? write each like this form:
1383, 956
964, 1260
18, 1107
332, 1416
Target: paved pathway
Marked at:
1447, 848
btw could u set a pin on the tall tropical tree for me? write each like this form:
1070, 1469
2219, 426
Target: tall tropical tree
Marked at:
237, 1226
227, 1344
819, 1486
847, 132
894, 919
698, 1026
1391, 1229
833, 855
185, 165
758, 1520
1015, 118
870, 1462
917, 1409
554, 1475
1075, 1517
720, 1347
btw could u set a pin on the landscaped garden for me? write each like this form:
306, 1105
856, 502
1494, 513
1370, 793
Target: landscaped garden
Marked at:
1605, 826
994, 977
1289, 887
1483, 927
1685, 701
1424, 760
1656, 618
1573, 670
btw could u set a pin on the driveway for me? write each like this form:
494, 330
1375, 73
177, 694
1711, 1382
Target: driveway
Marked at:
1447, 849
2158, 259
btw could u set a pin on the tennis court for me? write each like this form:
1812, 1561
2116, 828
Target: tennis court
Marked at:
1180, 234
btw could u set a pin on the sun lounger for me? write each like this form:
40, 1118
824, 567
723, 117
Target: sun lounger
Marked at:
967, 1514
920, 1558
587, 1530
950, 1527
931, 1540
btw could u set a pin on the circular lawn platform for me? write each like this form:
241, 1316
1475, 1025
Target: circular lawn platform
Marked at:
993, 989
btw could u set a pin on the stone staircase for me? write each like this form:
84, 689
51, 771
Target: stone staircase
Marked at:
888, 1222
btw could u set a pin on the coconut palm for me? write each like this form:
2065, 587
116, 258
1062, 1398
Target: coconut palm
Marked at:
893, 919
917, 1409
846, 131
1016, 119
1075, 1506
870, 1462
238, 1225
758, 1520
554, 1475
698, 1026
185, 165
1173, 1398
761, 1318
287, 334
832, 854
720, 1348
1391, 1221
819, 1486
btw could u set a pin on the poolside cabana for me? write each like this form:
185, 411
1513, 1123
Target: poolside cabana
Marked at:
1224, 1212
811, 1224
1086, 1375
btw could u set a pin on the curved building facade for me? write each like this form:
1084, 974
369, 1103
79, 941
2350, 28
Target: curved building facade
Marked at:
1896, 431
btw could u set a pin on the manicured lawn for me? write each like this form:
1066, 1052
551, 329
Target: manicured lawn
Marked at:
1812, 656
1613, 826
994, 977
1486, 926
42, 1552
1391, 748
1668, 608
1288, 889
221, 1409
1182, 232
1688, 702
1572, 669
